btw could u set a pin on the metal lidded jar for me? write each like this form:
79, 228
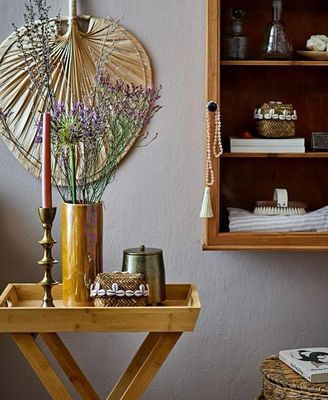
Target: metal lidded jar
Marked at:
150, 263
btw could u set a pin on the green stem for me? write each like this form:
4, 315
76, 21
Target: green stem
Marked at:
72, 169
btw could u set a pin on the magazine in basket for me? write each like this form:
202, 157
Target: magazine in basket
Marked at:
311, 363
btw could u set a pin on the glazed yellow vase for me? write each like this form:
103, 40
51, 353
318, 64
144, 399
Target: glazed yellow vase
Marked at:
82, 248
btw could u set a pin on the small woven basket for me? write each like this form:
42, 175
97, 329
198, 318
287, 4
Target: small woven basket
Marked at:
119, 289
275, 120
281, 382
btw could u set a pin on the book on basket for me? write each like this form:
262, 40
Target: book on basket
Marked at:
311, 363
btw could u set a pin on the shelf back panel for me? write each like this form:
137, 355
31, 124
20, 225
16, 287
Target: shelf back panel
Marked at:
302, 18
245, 181
243, 89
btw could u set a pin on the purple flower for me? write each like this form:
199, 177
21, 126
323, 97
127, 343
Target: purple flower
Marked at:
39, 129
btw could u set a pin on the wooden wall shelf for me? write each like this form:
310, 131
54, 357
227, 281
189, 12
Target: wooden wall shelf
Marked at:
264, 241
281, 63
243, 178
276, 155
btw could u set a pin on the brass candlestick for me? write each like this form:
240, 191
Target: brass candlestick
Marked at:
47, 216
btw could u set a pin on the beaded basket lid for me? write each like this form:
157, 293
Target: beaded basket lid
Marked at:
275, 110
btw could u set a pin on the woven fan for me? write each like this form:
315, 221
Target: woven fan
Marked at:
74, 60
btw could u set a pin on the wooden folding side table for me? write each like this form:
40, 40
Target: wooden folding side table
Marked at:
22, 317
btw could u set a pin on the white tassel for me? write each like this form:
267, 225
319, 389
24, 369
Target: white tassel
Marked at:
206, 211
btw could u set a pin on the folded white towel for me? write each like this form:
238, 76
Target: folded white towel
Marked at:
245, 221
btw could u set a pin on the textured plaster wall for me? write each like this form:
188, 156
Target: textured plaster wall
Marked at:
253, 303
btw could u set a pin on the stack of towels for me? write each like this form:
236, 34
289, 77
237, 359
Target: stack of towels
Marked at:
245, 221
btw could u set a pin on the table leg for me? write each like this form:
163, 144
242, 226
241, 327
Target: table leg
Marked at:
41, 366
69, 366
144, 366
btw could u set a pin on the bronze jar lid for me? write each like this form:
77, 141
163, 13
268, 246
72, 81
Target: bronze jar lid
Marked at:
143, 251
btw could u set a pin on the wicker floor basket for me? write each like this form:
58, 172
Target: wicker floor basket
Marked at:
282, 383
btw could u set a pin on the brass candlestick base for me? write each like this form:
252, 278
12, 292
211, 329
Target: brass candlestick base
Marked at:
47, 216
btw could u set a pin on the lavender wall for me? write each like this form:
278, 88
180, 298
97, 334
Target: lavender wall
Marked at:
253, 303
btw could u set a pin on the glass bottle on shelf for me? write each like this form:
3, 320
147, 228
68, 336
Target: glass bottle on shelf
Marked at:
277, 44
236, 42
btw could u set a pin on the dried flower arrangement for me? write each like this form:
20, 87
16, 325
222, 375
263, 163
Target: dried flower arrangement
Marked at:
89, 137
98, 132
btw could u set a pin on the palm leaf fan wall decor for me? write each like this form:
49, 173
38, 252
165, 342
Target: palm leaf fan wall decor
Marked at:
80, 42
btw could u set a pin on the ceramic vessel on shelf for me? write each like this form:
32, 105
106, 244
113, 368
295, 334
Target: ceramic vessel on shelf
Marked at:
277, 44
314, 55
82, 248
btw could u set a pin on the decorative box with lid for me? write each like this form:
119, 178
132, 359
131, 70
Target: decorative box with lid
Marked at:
150, 263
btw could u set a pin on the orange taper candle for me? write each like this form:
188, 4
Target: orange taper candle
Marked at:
46, 163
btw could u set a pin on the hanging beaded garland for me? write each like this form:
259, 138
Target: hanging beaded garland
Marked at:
216, 149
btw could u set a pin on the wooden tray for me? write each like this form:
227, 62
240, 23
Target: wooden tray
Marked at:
20, 311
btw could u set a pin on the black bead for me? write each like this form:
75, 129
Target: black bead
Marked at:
212, 106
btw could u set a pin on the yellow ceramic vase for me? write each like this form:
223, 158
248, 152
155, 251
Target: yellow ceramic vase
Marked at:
82, 245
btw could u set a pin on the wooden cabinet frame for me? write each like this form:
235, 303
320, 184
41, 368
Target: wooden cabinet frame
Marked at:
213, 238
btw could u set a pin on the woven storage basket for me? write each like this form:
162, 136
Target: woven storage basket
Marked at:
275, 120
119, 289
282, 383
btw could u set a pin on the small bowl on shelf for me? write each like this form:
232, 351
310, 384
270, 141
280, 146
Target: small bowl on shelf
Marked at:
314, 55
